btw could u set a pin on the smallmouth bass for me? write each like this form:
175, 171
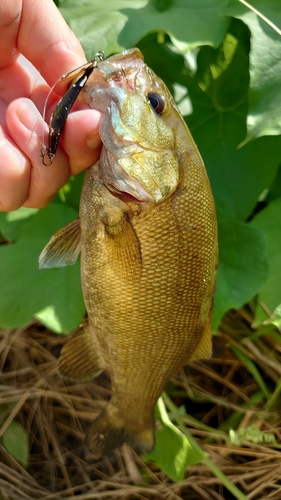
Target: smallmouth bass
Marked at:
148, 238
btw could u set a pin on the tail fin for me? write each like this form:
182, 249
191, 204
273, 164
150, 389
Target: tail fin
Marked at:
109, 431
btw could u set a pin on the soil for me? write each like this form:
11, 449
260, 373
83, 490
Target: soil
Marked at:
238, 388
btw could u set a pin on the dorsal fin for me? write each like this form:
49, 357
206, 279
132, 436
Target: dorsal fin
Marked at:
63, 248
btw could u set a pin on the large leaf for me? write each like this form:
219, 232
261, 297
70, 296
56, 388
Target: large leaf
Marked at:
275, 188
71, 192
238, 176
172, 451
114, 25
242, 267
117, 24
268, 221
11, 222
203, 23
26, 290
264, 116
98, 24
218, 123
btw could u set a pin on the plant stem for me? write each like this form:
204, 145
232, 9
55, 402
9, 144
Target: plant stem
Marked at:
207, 461
259, 14
224, 479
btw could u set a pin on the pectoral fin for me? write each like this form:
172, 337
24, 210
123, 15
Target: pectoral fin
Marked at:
63, 248
80, 358
123, 248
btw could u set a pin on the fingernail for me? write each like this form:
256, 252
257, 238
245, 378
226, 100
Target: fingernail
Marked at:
30, 117
93, 140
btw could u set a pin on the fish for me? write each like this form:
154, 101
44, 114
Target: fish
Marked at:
147, 233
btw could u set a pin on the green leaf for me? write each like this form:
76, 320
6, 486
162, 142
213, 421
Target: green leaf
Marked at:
71, 192
11, 222
218, 123
275, 318
54, 294
98, 24
265, 67
238, 176
265, 72
172, 451
203, 22
268, 222
223, 73
252, 434
275, 188
15, 441
49, 317
242, 266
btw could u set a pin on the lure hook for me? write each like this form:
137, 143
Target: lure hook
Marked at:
65, 104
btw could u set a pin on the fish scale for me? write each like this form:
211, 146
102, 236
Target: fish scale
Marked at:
148, 240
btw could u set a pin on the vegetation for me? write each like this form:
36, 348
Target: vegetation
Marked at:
220, 59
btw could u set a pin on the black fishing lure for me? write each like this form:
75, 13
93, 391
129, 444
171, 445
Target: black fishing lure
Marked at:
64, 106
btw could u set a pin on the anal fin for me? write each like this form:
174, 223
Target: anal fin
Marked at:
81, 358
204, 348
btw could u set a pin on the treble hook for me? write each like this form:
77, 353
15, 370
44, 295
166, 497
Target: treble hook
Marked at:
65, 104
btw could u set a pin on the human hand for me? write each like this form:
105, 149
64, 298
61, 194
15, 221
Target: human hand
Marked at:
37, 30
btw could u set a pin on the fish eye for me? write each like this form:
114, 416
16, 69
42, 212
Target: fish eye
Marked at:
157, 102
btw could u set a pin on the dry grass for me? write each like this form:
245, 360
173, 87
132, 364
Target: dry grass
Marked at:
56, 413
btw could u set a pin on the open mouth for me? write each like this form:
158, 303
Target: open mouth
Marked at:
125, 196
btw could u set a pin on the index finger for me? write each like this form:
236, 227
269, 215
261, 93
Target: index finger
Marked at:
39, 32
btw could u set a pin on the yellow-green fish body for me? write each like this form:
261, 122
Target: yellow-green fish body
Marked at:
148, 237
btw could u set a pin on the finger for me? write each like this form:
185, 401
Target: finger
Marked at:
25, 125
81, 140
14, 82
10, 16
14, 178
38, 31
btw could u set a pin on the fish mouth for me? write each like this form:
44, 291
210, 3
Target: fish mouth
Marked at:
122, 195
129, 194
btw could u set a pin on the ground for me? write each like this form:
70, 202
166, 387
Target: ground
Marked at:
237, 389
